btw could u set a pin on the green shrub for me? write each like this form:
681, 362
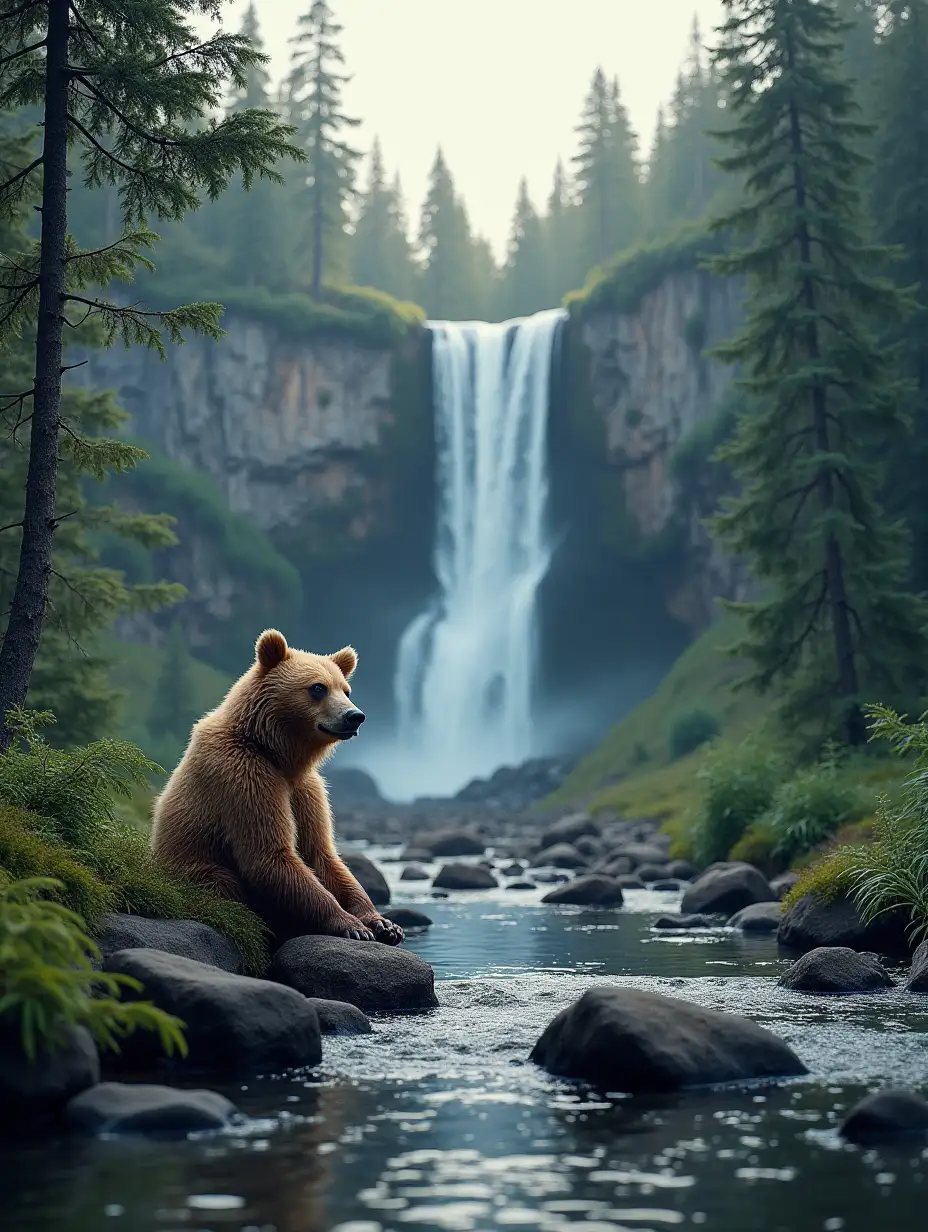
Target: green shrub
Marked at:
736, 785
73, 791
24, 854
758, 846
47, 980
810, 808
692, 729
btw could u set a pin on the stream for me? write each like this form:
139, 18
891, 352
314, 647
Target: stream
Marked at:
439, 1121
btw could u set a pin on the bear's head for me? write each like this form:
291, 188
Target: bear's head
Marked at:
307, 695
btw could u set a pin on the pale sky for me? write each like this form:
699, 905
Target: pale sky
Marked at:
498, 83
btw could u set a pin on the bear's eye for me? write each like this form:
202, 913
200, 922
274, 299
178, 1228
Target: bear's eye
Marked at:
318, 691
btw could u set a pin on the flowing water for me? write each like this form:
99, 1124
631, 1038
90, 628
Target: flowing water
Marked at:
466, 665
439, 1121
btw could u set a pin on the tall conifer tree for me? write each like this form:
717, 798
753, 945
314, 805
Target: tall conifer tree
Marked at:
901, 206
836, 626
126, 86
445, 239
524, 277
314, 105
381, 255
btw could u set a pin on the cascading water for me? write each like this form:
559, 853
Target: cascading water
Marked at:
466, 665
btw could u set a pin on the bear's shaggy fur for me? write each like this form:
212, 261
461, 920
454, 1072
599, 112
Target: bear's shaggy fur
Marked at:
246, 810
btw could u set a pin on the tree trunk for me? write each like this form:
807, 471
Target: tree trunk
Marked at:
27, 610
836, 590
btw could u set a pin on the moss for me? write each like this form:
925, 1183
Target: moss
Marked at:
621, 284
362, 314
757, 846
24, 854
827, 880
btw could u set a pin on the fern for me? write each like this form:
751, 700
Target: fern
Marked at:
73, 790
47, 980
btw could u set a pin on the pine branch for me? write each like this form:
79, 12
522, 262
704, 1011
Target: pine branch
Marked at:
6, 194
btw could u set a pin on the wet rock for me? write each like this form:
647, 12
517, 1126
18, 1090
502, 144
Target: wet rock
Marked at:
129, 1108
886, 1115
416, 855
782, 885
726, 890
513, 870
370, 878
590, 847
569, 829
547, 877
415, 872
624, 1039
917, 979
233, 1023
758, 918
683, 870
680, 923
652, 872
465, 877
340, 1017
592, 891
836, 969
440, 894
455, 843
619, 866
561, 855
641, 854
43, 1086
812, 922
521, 885
378, 979
630, 881
408, 917
667, 884
185, 938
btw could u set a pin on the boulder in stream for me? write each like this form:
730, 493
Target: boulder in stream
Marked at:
813, 922
340, 1017
837, 970
465, 877
680, 923
886, 1115
369, 877
726, 890
917, 979
415, 872
34, 1089
569, 829
233, 1023
625, 1039
408, 917
561, 855
378, 979
758, 918
592, 891
137, 1108
446, 843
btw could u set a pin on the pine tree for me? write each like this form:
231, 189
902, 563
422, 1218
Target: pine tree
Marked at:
608, 181
448, 287
173, 707
560, 226
381, 255
524, 277
314, 93
901, 205
682, 177
835, 627
124, 84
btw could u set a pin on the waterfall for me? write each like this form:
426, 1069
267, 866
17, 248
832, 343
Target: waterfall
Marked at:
466, 665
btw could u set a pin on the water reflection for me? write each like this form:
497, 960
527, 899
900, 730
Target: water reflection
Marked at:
438, 1121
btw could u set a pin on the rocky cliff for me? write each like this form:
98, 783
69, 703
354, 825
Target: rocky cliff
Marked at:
321, 441
654, 386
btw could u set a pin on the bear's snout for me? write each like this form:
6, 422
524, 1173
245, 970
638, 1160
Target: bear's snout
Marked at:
354, 719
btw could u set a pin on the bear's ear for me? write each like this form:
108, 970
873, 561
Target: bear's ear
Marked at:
346, 660
270, 649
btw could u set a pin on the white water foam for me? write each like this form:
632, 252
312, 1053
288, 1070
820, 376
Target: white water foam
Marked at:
466, 665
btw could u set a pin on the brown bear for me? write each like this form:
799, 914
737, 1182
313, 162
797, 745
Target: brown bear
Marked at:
246, 810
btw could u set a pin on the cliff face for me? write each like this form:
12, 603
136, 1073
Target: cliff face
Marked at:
652, 385
283, 426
